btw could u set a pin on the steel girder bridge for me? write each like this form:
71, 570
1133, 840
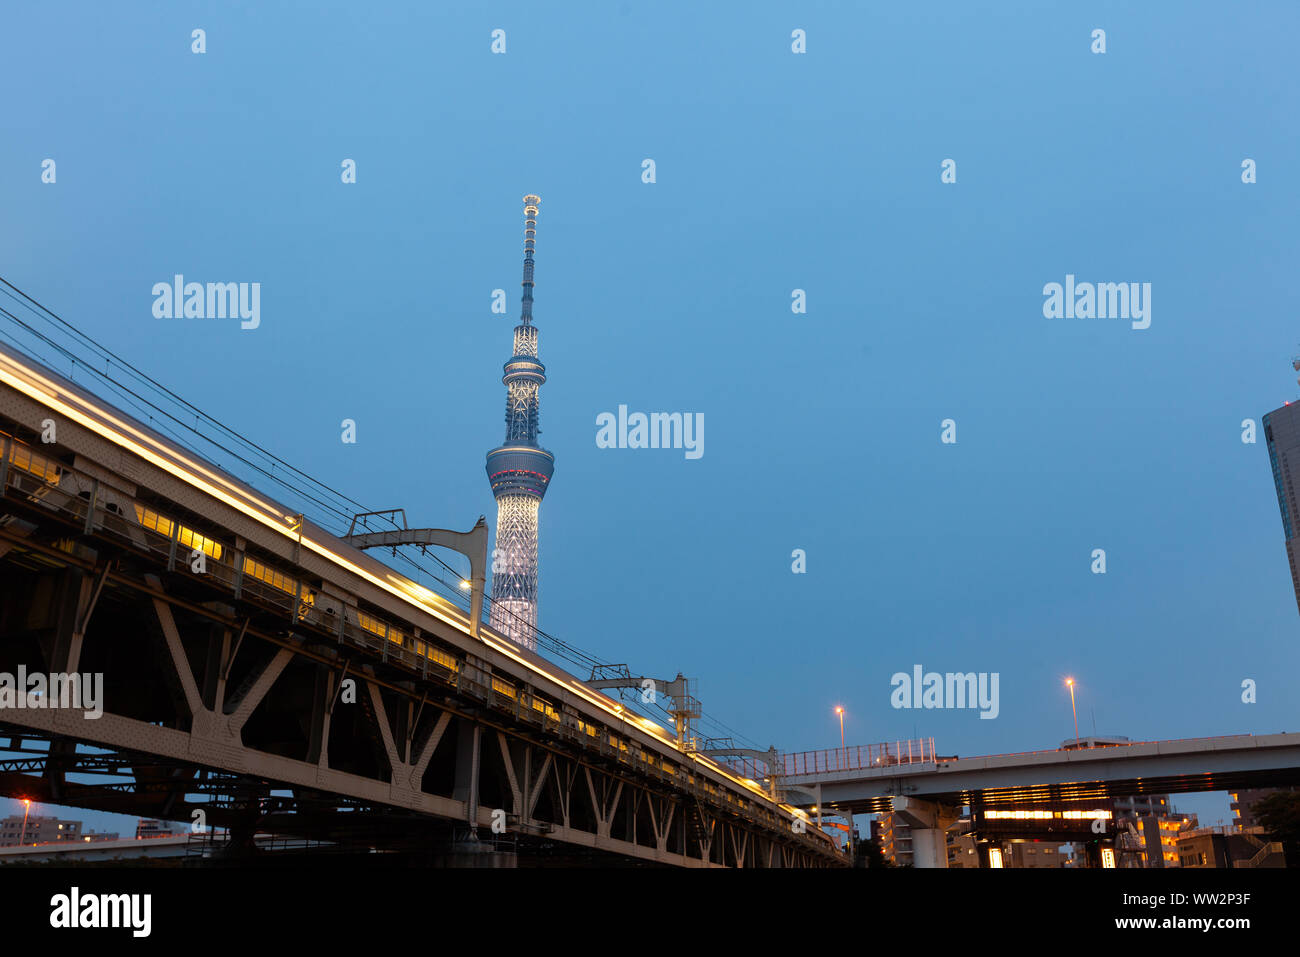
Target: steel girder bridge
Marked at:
280, 680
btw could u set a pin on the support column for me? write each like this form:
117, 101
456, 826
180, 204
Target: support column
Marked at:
468, 744
214, 651
322, 703
929, 822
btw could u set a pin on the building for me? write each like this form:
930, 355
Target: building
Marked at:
38, 830
519, 471
1148, 828
1282, 432
895, 840
1032, 854
1228, 847
961, 845
1160, 835
148, 827
1243, 804
1140, 805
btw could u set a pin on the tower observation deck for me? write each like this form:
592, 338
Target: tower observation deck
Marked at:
519, 470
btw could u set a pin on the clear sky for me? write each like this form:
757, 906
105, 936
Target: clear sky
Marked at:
775, 171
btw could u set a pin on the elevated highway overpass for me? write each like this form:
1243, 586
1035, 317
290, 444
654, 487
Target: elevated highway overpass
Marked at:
929, 790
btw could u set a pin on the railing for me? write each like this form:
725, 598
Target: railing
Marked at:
860, 757
866, 757
1265, 851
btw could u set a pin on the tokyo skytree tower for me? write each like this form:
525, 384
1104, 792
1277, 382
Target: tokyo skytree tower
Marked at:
519, 470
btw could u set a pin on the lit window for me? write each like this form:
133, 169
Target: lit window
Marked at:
23, 458
184, 536
269, 575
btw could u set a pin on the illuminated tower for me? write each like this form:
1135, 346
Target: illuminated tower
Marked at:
519, 470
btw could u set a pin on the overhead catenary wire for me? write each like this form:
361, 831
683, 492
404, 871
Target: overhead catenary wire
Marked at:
126, 367
132, 387
135, 399
123, 389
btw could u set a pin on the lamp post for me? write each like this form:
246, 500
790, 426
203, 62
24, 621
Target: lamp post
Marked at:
27, 806
1070, 684
839, 709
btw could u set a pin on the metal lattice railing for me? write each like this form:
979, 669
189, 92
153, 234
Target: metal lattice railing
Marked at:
861, 757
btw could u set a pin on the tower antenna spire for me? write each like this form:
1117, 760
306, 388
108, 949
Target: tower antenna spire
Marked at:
530, 242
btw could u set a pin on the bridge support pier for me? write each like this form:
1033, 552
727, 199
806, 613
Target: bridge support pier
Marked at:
468, 751
929, 821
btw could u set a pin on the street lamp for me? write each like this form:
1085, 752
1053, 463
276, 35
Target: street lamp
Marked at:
27, 806
1070, 683
839, 709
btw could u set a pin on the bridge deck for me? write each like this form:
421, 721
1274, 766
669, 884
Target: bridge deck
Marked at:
1223, 763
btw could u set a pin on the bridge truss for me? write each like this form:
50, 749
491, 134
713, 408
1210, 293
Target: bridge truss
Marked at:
241, 682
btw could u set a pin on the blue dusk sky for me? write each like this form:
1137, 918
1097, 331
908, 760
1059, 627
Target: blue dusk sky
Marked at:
774, 171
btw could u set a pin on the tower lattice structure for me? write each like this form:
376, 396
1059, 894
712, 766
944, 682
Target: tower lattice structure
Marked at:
519, 470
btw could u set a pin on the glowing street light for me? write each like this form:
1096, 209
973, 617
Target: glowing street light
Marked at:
27, 806
1070, 684
839, 709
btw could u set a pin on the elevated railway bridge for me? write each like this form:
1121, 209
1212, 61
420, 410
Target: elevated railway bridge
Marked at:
278, 679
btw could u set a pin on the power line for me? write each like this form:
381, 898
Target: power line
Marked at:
108, 354
183, 425
315, 491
